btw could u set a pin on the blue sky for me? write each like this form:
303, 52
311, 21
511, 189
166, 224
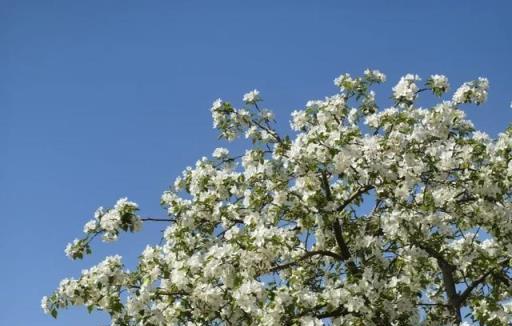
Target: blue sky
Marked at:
104, 99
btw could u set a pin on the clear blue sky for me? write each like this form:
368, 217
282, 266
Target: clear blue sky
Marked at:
103, 99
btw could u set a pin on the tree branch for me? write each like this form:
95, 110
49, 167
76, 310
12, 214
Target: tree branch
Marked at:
308, 255
340, 311
467, 292
153, 219
447, 270
356, 194
336, 226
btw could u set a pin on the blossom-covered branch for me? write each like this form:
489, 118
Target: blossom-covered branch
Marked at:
362, 215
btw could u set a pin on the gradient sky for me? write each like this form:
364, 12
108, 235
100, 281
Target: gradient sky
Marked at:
104, 99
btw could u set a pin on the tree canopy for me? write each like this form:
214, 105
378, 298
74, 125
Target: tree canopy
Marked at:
360, 216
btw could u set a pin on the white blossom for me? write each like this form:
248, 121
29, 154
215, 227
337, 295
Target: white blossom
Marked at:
405, 90
375, 75
220, 153
439, 84
252, 97
472, 92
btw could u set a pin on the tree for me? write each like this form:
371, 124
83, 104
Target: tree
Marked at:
363, 216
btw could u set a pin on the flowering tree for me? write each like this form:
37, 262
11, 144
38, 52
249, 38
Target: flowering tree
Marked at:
399, 216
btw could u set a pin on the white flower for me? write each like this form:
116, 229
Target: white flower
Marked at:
253, 133
481, 136
247, 295
438, 84
91, 226
462, 94
110, 221
76, 249
354, 304
179, 278
216, 105
472, 92
374, 76
267, 114
405, 90
155, 273
123, 205
45, 305
344, 82
220, 153
299, 120
252, 97
310, 321
99, 212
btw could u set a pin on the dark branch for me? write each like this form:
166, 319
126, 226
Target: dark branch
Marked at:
447, 271
308, 255
352, 197
336, 226
153, 219
340, 311
467, 292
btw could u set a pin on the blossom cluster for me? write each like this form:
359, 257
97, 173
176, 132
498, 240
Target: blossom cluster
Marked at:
438, 84
406, 89
97, 287
108, 222
233, 122
472, 92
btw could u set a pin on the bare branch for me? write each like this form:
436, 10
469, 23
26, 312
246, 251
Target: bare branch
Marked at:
154, 219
